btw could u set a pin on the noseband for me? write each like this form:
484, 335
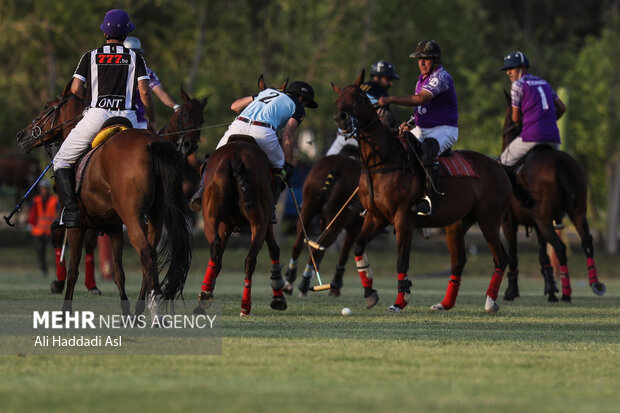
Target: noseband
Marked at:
49, 116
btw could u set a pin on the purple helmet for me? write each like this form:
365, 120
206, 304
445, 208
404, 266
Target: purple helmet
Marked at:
116, 23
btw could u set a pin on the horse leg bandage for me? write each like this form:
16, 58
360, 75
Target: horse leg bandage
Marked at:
89, 272
246, 301
452, 292
496, 281
566, 290
277, 283
61, 268
308, 271
592, 273
364, 270
208, 283
404, 290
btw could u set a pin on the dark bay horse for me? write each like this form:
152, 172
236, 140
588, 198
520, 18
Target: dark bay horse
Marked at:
326, 189
134, 178
183, 128
390, 186
558, 185
238, 193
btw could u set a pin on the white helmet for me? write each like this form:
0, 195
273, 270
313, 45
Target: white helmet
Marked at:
133, 43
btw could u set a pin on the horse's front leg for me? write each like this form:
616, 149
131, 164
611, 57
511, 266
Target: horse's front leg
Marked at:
545, 267
216, 234
581, 225
455, 234
75, 237
278, 302
259, 232
372, 226
351, 235
403, 224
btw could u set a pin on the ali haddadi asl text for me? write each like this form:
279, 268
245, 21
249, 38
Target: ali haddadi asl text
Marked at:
78, 341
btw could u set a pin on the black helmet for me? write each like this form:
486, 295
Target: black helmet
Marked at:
304, 90
427, 48
516, 59
383, 68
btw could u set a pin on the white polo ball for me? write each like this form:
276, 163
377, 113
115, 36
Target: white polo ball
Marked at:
346, 311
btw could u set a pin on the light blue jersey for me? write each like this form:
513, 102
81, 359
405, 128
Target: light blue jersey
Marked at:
274, 108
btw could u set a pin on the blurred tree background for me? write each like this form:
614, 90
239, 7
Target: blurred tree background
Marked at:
218, 48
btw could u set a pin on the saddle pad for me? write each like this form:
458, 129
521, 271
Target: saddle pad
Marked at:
105, 134
457, 165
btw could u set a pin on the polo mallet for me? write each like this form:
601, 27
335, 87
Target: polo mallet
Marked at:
64, 245
19, 205
321, 287
315, 244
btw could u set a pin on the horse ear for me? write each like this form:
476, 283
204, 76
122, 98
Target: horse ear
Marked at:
184, 95
335, 88
261, 83
360, 79
284, 85
507, 95
67, 90
204, 102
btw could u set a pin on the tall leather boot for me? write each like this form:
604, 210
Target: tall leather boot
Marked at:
65, 184
278, 186
433, 190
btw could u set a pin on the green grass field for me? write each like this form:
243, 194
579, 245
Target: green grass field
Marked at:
532, 356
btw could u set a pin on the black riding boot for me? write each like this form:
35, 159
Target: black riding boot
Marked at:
196, 202
278, 186
65, 184
433, 189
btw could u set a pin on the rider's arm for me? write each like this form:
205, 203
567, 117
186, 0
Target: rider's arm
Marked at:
164, 96
560, 108
240, 104
407, 100
516, 115
287, 139
145, 97
77, 88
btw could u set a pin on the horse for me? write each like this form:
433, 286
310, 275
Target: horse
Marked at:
134, 178
238, 193
558, 184
327, 187
390, 186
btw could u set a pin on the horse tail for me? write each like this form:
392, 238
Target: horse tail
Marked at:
240, 171
523, 195
569, 181
328, 185
167, 167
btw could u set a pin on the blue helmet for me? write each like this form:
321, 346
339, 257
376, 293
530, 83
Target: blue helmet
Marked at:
383, 68
516, 59
116, 23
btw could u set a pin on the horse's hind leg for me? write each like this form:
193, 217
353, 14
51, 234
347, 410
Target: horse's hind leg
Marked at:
510, 231
278, 302
90, 242
148, 259
216, 235
350, 236
455, 235
76, 239
258, 238
581, 224
545, 269
372, 226
116, 241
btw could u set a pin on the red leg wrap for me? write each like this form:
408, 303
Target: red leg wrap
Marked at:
208, 283
89, 272
366, 282
400, 296
566, 290
453, 290
592, 274
246, 301
61, 268
496, 281
278, 293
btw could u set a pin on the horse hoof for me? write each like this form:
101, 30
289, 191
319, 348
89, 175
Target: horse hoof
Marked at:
552, 298
394, 309
288, 288
438, 307
334, 292
278, 303
205, 299
491, 306
244, 315
566, 298
507, 298
599, 288
302, 294
57, 286
94, 291
372, 299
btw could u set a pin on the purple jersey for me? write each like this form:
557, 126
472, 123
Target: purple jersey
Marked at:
536, 100
153, 83
442, 109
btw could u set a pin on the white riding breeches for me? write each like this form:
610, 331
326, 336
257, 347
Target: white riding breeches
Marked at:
340, 143
265, 138
446, 136
518, 148
80, 137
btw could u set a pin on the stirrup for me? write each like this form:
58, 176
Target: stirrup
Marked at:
420, 207
195, 205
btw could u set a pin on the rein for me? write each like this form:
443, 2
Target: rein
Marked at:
49, 115
181, 130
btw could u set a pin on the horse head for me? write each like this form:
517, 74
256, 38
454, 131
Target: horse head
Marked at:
54, 123
183, 129
354, 111
511, 129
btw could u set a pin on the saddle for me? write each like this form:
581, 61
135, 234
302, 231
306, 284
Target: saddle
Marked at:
242, 138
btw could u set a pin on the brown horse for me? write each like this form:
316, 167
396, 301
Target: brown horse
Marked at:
238, 193
558, 185
390, 186
131, 177
326, 189
183, 128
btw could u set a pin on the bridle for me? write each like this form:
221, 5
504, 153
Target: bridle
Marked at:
49, 116
181, 130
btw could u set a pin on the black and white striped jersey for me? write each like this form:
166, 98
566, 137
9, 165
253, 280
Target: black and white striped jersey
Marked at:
111, 74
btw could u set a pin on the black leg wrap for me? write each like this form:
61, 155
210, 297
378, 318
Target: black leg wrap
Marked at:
276, 277
404, 286
337, 280
512, 291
